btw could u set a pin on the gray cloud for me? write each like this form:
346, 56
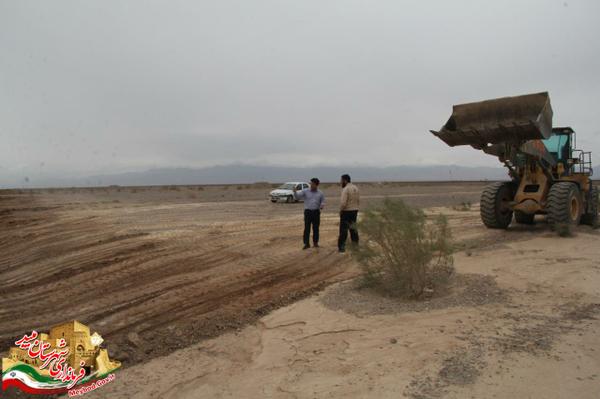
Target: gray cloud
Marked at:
110, 87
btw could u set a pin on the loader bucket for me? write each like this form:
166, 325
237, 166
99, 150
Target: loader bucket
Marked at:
502, 120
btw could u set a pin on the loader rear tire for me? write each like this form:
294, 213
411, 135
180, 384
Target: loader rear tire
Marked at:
591, 216
495, 205
524, 218
564, 206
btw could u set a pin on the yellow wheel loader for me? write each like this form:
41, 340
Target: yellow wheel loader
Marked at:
548, 175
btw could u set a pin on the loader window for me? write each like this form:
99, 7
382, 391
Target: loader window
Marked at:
558, 146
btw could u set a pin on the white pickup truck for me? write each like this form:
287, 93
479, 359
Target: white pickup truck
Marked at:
286, 191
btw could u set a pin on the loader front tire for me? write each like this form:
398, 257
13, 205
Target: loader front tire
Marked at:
564, 205
524, 218
591, 216
495, 205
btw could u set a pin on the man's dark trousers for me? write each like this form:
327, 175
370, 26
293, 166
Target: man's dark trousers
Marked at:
311, 217
347, 222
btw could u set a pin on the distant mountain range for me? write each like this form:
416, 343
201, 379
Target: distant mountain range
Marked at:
232, 174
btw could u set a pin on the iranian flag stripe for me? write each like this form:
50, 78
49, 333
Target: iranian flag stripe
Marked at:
28, 379
25, 388
30, 386
31, 371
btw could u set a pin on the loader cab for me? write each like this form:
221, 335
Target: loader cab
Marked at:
559, 144
562, 147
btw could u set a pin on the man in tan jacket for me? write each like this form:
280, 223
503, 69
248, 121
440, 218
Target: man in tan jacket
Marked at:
348, 212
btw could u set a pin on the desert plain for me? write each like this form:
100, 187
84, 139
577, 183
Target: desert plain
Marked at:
204, 291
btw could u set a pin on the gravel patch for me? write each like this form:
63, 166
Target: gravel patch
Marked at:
463, 290
538, 337
461, 367
534, 334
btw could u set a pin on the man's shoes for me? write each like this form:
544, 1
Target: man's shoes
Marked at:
316, 245
342, 250
306, 246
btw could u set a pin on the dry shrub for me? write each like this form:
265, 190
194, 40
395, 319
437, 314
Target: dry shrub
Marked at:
404, 256
462, 207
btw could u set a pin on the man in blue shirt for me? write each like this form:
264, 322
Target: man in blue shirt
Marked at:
314, 201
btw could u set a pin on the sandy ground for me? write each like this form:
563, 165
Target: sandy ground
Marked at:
158, 268
200, 296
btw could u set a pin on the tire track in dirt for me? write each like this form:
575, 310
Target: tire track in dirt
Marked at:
172, 274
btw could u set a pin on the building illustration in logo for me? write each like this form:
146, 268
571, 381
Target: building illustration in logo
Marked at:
82, 351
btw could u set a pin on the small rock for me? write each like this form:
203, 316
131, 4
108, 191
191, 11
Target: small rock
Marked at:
393, 341
134, 339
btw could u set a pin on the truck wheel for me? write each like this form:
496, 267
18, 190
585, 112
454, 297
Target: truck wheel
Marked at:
564, 205
273, 200
289, 199
524, 218
591, 216
495, 205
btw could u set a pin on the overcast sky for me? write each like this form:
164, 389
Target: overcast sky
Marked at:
90, 87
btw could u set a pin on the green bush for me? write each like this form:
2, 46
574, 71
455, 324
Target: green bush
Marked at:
403, 255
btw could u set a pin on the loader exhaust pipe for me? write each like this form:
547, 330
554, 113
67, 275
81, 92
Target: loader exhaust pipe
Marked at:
502, 120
